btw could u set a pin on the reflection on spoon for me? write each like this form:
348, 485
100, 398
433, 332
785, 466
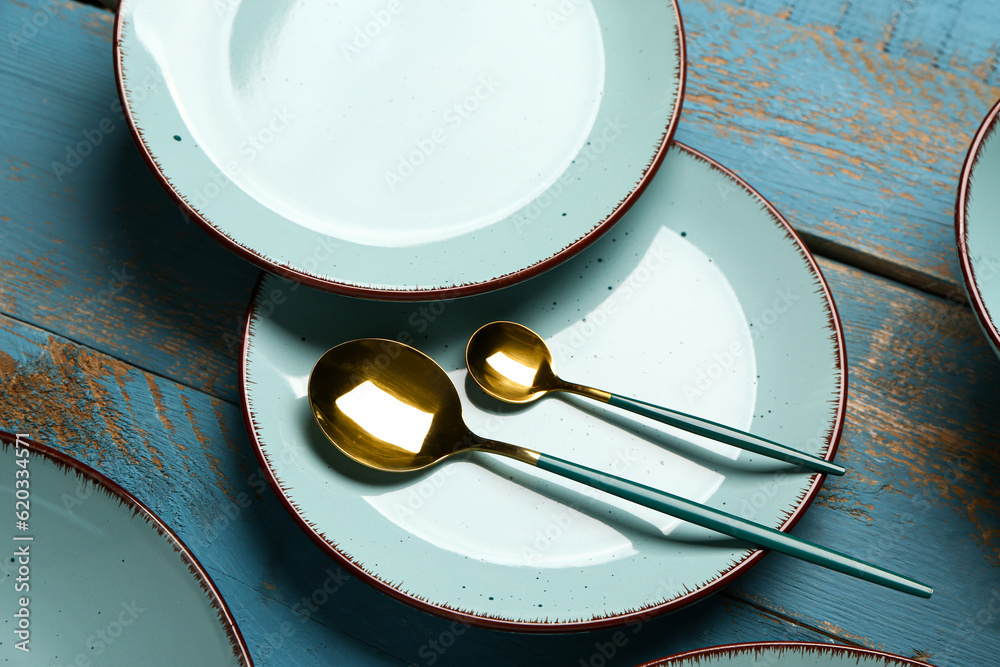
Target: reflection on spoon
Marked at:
512, 363
373, 397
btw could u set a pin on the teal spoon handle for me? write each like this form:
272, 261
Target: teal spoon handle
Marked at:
734, 526
726, 434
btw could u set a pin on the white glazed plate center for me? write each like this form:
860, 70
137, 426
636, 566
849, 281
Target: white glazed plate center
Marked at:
610, 344
376, 132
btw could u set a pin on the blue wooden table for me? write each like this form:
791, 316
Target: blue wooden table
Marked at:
120, 327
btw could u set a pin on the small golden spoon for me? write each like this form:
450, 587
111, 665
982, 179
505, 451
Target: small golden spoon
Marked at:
512, 363
391, 407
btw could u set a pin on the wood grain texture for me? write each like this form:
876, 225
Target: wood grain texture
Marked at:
91, 247
853, 118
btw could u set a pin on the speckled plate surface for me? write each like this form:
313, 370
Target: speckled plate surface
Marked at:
103, 580
398, 150
784, 654
977, 225
702, 299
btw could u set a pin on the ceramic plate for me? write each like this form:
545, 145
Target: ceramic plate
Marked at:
785, 654
96, 578
702, 298
400, 150
977, 225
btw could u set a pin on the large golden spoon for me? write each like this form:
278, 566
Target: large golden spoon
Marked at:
511, 362
391, 407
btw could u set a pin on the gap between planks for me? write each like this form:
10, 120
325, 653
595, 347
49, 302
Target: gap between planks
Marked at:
105, 353
785, 618
827, 248
110, 5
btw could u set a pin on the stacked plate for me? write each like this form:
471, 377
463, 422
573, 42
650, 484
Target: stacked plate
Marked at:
396, 152
411, 155
785, 654
96, 578
977, 224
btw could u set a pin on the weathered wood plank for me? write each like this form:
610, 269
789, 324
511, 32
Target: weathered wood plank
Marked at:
848, 117
954, 35
90, 245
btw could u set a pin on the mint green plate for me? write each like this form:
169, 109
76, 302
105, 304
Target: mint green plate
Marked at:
701, 298
785, 654
95, 578
977, 225
402, 150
